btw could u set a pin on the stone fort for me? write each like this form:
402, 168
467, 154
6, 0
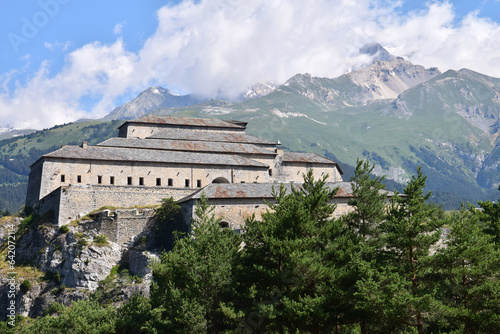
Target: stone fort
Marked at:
155, 157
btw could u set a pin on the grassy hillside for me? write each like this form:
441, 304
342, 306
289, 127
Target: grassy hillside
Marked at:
18, 153
446, 125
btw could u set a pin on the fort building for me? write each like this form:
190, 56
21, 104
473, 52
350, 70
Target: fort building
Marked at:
155, 157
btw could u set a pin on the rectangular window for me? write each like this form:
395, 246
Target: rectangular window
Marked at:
158, 181
63, 178
186, 183
99, 179
111, 180
141, 181
79, 179
198, 183
170, 182
129, 180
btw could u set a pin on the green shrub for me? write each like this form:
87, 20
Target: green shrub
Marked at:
57, 277
64, 229
82, 242
25, 286
100, 240
140, 241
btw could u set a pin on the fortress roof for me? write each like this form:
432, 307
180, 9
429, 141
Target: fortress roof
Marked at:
212, 137
146, 155
265, 190
259, 190
306, 157
187, 145
188, 121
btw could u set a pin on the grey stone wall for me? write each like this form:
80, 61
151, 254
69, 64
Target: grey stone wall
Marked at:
34, 184
137, 130
235, 211
123, 226
74, 201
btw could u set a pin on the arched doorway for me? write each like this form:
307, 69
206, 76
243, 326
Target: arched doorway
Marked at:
220, 180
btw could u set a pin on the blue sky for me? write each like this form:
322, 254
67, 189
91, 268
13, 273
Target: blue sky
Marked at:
61, 60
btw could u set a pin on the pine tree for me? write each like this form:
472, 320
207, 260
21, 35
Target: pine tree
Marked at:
369, 210
194, 282
469, 265
289, 261
408, 233
489, 215
368, 202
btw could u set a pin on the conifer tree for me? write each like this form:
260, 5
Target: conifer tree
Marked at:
369, 210
469, 265
194, 282
369, 201
289, 261
408, 234
489, 215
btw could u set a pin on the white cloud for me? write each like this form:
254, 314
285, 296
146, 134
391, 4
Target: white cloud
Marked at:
223, 47
117, 30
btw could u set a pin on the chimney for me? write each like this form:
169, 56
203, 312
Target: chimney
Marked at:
84, 144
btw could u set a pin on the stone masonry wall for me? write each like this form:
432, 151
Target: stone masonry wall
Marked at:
78, 200
80, 172
234, 212
122, 226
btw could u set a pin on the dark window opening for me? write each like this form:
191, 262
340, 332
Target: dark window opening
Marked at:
99, 179
79, 179
186, 183
158, 182
111, 180
170, 182
63, 178
198, 183
141, 181
129, 180
220, 180
270, 172
224, 224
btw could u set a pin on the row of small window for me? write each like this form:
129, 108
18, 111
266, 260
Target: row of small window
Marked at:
170, 182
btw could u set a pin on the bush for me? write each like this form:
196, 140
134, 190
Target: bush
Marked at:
57, 277
25, 286
64, 229
100, 240
82, 242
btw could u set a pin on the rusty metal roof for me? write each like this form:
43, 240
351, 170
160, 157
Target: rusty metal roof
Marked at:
187, 145
146, 155
260, 190
306, 157
212, 137
265, 190
188, 121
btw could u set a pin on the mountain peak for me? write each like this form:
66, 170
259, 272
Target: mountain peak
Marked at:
388, 79
299, 78
377, 51
152, 98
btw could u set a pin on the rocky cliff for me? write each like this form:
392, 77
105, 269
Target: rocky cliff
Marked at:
63, 265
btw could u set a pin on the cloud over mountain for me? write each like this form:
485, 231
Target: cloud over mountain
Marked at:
215, 48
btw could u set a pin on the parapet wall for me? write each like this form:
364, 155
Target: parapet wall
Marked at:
75, 201
123, 226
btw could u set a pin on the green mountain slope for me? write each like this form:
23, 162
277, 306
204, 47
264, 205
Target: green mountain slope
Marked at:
396, 114
18, 153
448, 125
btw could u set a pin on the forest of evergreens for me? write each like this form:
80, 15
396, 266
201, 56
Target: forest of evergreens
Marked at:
399, 267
